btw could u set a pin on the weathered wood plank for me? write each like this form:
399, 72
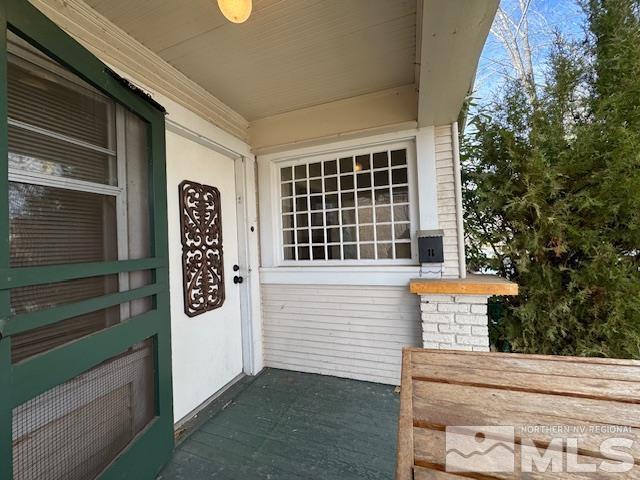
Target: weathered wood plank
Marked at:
583, 397
618, 390
524, 356
627, 371
404, 462
515, 407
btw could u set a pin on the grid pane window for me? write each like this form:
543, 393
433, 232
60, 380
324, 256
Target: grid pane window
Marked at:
347, 208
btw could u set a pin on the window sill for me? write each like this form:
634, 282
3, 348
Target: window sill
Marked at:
383, 275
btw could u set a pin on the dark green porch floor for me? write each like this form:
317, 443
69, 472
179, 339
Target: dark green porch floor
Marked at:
289, 425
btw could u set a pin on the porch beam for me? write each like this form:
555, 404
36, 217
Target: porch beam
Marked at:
28, 321
451, 36
27, 276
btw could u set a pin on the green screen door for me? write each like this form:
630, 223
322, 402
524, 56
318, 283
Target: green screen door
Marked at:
85, 375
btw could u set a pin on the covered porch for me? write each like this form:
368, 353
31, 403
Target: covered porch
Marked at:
290, 425
320, 137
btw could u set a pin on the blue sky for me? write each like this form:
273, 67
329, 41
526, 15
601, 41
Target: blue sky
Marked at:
545, 17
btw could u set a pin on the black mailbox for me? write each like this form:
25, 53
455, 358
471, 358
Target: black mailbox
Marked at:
430, 249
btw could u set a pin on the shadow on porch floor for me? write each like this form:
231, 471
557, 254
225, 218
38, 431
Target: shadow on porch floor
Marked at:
290, 425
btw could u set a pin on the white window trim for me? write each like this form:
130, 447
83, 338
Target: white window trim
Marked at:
271, 220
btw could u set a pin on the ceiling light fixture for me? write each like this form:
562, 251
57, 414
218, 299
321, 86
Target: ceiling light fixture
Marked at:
236, 11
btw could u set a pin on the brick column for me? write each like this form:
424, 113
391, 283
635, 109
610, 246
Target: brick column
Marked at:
455, 322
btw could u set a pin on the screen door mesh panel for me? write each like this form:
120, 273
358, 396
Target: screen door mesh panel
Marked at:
74, 430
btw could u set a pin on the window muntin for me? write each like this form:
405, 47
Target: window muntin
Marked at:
353, 208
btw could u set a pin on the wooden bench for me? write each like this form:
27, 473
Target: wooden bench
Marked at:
578, 397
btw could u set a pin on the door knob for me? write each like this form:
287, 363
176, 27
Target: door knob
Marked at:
238, 279
236, 268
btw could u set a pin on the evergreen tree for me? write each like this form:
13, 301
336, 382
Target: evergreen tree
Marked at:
552, 194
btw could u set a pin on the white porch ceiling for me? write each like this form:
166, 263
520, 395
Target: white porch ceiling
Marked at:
289, 55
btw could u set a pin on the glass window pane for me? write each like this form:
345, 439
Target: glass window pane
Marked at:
367, 251
302, 236
383, 196
315, 170
346, 165
380, 160
37, 153
363, 163
366, 233
401, 195
349, 217
333, 235
301, 188
331, 201
331, 184
385, 250
301, 204
383, 233
398, 157
364, 198
403, 250
402, 231
287, 237
315, 186
334, 252
287, 205
39, 297
364, 180
383, 214
289, 253
381, 178
317, 235
349, 234
316, 202
317, 219
286, 174
401, 213
348, 200
365, 215
300, 171
287, 189
333, 218
54, 226
304, 253
318, 253
287, 221
302, 220
346, 182
399, 176
330, 167
350, 252
56, 100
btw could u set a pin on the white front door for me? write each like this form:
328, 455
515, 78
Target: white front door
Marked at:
207, 349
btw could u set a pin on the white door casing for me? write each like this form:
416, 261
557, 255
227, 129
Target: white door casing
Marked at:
206, 349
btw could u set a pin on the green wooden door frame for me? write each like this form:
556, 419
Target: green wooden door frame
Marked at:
24, 380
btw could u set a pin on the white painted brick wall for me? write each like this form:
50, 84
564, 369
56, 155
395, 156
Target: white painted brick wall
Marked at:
455, 322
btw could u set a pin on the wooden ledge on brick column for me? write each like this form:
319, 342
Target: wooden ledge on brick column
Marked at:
473, 284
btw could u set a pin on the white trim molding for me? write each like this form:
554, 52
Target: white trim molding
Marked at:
457, 177
117, 48
427, 178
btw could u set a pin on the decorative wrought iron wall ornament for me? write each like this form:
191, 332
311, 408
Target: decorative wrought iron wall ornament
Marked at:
201, 237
